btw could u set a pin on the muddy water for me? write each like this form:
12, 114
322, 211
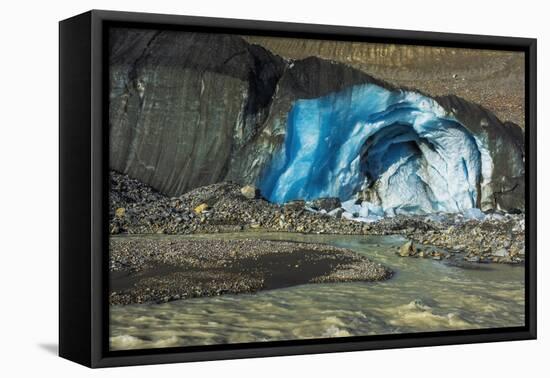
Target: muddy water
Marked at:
424, 295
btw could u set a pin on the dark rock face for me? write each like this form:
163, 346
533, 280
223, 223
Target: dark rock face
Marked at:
181, 103
192, 109
505, 140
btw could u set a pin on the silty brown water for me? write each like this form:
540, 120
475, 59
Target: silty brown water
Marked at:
424, 295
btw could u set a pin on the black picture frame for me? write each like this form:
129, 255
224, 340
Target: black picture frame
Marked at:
83, 195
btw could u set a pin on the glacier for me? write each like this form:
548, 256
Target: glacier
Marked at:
397, 150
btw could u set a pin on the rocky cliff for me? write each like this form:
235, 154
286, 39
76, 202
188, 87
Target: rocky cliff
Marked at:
191, 109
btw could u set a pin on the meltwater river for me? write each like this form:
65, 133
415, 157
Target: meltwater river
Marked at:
424, 295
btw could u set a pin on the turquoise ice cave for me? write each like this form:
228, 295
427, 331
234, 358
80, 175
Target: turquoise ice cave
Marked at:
400, 149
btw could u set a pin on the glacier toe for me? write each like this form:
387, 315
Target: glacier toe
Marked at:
193, 109
398, 151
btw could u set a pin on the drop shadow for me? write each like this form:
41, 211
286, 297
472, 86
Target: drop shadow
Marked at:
51, 348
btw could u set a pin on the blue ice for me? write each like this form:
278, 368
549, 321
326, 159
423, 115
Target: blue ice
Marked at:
401, 144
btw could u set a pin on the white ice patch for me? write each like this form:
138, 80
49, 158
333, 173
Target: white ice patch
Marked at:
365, 212
474, 214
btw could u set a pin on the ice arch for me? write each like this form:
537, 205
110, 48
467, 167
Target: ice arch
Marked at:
400, 149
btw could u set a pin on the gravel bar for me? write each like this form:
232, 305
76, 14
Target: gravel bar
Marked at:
160, 269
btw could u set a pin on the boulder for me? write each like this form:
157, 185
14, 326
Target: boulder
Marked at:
201, 208
337, 213
250, 192
295, 205
407, 249
327, 203
501, 252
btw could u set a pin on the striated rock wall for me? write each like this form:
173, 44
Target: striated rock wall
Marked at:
181, 103
191, 109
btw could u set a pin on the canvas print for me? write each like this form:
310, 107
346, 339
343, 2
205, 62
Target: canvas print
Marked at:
266, 189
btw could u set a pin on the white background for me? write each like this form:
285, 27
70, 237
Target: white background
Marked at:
29, 186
